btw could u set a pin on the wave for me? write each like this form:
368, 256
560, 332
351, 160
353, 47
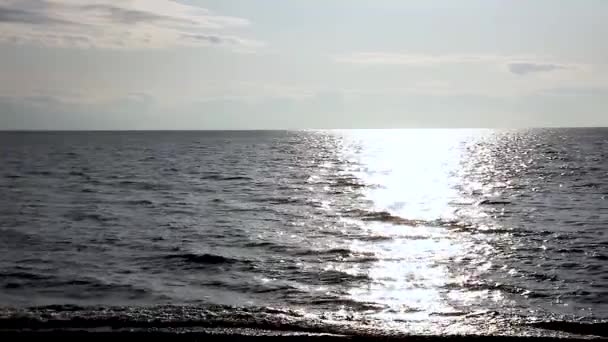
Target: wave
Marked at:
383, 216
354, 235
280, 200
254, 288
140, 185
492, 202
330, 277
582, 328
15, 237
139, 202
21, 279
255, 320
351, 304
77, 173
387, 217
171, 317
84, 216
506, 288
373, 238
225, 178
588, 185
340, 254
332, 254
39, 173
205, 259
348, 182
270, 246
76, 288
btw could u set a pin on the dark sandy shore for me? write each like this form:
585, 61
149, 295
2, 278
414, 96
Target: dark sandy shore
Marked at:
106, 334
242, 335
213, 322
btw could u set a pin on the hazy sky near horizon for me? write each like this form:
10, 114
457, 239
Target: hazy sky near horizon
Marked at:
224, 64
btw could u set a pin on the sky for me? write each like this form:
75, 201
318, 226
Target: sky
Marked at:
290, 64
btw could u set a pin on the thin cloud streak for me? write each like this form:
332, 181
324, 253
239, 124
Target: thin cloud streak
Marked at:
387, 58
523, 68
518, 65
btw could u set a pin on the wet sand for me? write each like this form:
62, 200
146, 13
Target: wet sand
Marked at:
244, 335
191, 323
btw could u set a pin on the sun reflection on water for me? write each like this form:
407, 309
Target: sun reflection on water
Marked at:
414, 176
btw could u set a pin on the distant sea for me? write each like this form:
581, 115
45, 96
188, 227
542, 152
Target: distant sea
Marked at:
382, 231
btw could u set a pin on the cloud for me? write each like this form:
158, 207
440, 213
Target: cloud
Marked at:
518, 65
117, 24
10, 15
524, 68
581, 91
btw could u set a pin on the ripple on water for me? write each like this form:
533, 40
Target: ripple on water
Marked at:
346, 222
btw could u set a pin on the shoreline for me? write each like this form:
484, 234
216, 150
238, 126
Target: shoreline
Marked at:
224, 322
221, 334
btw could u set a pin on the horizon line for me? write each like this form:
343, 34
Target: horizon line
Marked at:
292, 129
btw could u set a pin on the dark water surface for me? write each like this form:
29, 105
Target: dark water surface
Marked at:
432, 231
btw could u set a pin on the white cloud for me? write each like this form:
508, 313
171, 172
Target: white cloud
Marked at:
117, 24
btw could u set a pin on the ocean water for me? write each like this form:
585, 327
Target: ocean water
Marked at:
418, 231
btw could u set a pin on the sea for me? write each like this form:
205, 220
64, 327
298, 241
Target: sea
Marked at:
412, 231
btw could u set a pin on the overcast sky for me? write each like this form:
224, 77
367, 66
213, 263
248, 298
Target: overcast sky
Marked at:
223, 64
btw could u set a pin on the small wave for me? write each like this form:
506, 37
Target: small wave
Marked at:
383, 216
75, 288
348, 303
373, 238
80, 216
333, 251
449, 314
339, 251
253, 288
482, 286
176, 316
386, 217
260, 244
40, 173
16, 237
602, 257
353, 183
279, 200
143, 185
225, 178
333, 254
493, 202
205, 259
340, 254
357, 236
331, 277
583, 328
542, 276
461, 225
269, 246
139, 202
77, 173
587, 185
24, 275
